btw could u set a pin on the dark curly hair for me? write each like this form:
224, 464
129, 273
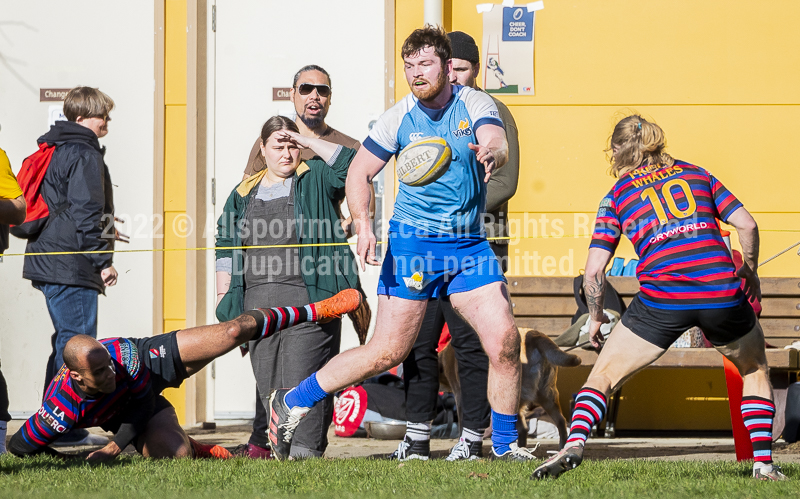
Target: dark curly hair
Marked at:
429, 36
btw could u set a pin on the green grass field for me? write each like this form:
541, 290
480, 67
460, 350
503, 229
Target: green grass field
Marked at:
365, 478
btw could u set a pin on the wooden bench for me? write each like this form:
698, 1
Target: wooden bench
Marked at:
547, 304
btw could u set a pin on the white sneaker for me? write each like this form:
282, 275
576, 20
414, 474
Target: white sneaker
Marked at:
411, 449
768, 473
466, 450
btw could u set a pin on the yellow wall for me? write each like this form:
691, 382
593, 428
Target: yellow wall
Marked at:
175, 179
715, 77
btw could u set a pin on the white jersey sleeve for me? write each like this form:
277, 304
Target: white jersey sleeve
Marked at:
481, 108
382, 139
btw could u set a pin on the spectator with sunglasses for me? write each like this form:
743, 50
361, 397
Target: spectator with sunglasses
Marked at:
311, 96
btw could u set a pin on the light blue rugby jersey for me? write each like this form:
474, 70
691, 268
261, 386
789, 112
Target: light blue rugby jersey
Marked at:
453, 204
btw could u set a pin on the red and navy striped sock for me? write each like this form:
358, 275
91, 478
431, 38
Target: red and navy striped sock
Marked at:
758, 414
590, 407
272, 320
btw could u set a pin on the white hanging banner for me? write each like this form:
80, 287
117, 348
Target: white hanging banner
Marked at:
508, 49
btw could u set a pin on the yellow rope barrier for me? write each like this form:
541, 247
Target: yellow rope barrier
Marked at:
311, 245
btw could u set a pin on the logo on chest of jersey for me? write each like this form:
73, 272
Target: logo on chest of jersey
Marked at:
463, 129
415, 136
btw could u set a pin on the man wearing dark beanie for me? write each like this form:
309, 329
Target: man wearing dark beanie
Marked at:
421, 369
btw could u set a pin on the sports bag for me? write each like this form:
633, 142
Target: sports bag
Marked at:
30, 179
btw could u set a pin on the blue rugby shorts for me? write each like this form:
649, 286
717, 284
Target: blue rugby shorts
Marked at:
421, 266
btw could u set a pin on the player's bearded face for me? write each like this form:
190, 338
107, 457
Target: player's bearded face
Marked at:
425, 73
425, 90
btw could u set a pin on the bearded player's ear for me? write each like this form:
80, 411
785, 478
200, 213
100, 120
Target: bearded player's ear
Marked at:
76, 376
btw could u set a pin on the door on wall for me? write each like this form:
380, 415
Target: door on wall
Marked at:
257, 48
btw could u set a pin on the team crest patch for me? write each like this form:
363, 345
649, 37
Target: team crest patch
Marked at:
605, 203
416, 281
463, 129
159, 352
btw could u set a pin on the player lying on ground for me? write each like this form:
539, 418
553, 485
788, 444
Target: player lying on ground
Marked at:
116, 383
438, 226
669, 211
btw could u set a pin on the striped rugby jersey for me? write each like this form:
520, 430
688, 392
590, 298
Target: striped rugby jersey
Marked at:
670, 215
66, 407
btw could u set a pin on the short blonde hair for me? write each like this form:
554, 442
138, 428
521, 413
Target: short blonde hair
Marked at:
87, 102
638, 143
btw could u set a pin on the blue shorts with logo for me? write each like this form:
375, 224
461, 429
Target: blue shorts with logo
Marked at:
421, 266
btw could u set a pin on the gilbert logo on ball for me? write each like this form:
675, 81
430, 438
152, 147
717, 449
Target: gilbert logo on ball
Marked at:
423, 161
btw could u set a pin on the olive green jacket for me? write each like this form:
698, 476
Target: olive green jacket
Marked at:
317, 190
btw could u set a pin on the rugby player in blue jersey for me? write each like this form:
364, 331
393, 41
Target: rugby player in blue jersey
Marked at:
669, 211
436, 245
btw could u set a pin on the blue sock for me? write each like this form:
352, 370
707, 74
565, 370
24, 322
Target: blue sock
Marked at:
504, 432
306, 394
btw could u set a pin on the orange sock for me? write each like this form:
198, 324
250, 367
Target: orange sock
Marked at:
209, 451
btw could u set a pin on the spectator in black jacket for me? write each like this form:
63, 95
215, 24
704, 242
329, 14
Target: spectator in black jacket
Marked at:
78, 193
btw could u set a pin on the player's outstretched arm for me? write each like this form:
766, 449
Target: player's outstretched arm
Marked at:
492, 148
594, 287
358, 193
747, 229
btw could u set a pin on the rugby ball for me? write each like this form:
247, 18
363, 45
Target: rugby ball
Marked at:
423, 161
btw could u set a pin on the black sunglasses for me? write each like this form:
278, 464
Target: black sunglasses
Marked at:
307, 88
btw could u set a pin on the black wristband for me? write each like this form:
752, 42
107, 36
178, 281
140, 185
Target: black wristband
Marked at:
261, 320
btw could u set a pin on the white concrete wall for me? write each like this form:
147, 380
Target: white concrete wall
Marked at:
57, 44
260, 44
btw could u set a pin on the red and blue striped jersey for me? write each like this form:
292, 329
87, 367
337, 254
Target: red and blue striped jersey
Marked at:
66, 407
670, 215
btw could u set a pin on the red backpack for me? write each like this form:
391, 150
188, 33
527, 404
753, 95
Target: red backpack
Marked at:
30, 179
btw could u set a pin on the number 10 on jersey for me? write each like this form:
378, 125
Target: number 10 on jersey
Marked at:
651, 195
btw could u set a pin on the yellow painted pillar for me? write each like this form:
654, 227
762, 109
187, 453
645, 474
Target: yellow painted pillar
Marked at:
174, 275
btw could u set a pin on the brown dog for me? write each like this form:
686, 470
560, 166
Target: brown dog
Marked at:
540, 359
